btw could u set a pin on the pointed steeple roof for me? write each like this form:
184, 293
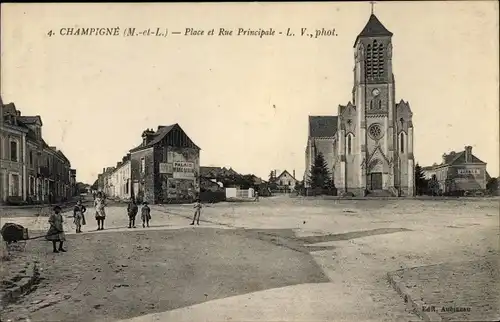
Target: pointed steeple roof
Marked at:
373, 28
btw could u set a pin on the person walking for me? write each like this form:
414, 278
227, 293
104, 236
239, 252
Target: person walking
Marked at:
100, 214
197, 212
132, 210
79, 216
145, 215
56, 230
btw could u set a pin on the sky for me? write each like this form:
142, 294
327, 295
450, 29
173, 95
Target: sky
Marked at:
245, 100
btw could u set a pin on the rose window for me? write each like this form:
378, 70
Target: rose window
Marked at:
375, 131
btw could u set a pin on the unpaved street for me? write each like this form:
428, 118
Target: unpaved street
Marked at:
279, 259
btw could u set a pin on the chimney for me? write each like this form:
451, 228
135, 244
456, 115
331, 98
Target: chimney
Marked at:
146, 136
103, 170
468, 154
444, 158
118, 164
293, 173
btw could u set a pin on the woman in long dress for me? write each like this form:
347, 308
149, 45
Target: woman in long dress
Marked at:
56, 230
100, 213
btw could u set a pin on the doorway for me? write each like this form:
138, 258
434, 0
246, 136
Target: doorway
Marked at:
376, 181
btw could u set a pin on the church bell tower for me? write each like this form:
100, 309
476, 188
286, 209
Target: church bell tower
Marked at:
373, 95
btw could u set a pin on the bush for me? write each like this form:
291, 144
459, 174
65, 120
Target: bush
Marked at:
212, 196
347, 194
455, 193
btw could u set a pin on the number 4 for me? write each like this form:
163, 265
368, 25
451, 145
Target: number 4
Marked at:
50, 33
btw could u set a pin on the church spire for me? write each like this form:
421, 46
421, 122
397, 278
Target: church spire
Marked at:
373, 28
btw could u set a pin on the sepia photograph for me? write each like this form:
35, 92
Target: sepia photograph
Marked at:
250, 161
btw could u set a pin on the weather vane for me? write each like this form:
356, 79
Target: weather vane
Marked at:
373, 3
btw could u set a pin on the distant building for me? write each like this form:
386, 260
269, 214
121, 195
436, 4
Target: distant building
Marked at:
459, 171
104, 180
286, 181
30, 170
119, 182
166, 166
217, 173
75, 189
210, 185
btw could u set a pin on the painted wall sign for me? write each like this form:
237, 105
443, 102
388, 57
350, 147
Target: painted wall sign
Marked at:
469, 171
183, 170
166, 168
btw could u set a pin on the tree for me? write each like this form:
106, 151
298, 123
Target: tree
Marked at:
299, 187
95, 185
433, 186
271, 183
421, 183
319, 176
272, 177
492, 186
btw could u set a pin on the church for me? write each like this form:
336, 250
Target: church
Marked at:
368, 146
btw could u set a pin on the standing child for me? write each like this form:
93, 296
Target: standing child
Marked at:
56, 230
145, 215
197, 212
100, 214
79, 215
132, 210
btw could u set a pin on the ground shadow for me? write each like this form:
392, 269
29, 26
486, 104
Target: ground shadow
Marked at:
131, 273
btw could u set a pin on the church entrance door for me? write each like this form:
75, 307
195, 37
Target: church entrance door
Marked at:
376, 181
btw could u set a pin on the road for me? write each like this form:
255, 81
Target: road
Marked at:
278, 259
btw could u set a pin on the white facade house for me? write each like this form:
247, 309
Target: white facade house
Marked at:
286, 181
119, 183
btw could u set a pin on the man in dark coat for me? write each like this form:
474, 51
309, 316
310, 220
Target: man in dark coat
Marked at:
132, 211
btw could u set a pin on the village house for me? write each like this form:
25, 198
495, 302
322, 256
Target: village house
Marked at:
30, 170
459, 171
119, 182
165, 167
104, 180
286, 181
217, 173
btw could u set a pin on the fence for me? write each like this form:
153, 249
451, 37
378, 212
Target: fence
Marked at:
240, 193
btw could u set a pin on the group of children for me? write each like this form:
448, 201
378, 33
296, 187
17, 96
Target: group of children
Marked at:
132, 211
56, 231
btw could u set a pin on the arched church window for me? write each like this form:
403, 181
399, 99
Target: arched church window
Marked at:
379, 104
349, 143
368, 61
402, 142
371, 105
380, 59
